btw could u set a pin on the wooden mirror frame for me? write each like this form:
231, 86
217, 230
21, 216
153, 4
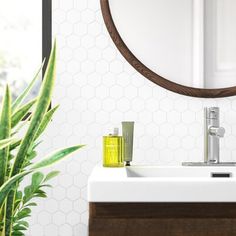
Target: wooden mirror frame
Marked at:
149, 74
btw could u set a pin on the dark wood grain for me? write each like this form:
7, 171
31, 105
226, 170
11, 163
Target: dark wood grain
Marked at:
149, 74
164, 219
162, 227
162, 210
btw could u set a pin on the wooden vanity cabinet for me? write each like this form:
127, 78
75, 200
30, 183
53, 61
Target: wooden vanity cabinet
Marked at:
162, 219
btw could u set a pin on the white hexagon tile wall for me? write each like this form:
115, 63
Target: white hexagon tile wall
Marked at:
97, 89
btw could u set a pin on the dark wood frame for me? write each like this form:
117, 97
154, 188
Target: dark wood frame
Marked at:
162, 219
149, 74
47, 31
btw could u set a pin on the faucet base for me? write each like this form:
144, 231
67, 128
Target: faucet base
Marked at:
208, 164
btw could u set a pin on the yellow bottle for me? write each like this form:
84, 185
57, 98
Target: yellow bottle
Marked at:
113, 150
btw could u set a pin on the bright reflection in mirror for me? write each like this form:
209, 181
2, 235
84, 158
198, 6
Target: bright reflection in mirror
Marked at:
189, 42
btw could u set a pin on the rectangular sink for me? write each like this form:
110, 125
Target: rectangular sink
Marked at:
162, 184
178, 172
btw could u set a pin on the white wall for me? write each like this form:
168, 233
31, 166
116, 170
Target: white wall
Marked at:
97, 89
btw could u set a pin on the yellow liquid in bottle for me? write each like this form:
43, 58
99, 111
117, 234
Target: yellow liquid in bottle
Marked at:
113, 151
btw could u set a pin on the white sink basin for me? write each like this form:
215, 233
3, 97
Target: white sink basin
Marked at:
162, 184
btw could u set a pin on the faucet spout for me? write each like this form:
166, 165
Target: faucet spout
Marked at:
212, 133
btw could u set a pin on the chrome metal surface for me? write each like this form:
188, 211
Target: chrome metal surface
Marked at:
208, 164
212, 133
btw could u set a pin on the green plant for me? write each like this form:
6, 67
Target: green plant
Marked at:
17, 153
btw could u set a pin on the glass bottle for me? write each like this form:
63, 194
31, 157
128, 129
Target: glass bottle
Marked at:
113, 150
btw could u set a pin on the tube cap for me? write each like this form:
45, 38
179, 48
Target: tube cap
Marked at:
116, 132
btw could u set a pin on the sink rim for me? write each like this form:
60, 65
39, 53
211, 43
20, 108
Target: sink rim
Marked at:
113, 185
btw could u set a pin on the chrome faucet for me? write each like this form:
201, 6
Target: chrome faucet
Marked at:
212, 133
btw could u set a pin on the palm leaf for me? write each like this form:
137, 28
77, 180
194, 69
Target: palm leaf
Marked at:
48, 161
55, 157
5, 126
51, 175
21, 113
15, 144
21, 125
46, 119
42, 104
37, 117
9, 185
21, 98
6, 142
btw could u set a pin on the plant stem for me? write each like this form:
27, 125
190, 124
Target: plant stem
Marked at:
9, 213
5, 127
2, 211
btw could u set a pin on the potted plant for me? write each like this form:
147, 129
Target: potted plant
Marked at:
17, 153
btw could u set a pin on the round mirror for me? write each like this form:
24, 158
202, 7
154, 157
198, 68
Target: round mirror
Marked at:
186, 46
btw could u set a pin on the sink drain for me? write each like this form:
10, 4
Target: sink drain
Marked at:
221, 175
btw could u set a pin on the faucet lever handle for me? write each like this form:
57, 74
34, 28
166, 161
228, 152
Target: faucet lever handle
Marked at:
219, 132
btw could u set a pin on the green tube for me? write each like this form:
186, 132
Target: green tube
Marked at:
128, 134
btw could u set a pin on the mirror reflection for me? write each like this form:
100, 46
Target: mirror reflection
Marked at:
189, 42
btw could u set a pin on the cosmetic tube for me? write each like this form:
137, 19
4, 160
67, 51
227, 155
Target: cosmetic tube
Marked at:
128, 134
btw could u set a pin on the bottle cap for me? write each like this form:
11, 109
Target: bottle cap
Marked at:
116, 132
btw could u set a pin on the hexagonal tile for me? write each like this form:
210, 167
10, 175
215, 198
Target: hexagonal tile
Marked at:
87, 16
109, 54
97, 89
44, 218
66, 5
73, 193
174, 142
94, 54
73, 67
59, 193
116, 92
159, 117
73, 16
166, 130
59, 218
94, 28
188, 117
88, 67
188, 142
73, 41
59, 16
123, 105
102, 67
180, 105
80, 29
66, 28
80, 180
87, 41
65, 229
66, 205
109, 105
116, 67
102, 41
73, 218
80, 5
80, 205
